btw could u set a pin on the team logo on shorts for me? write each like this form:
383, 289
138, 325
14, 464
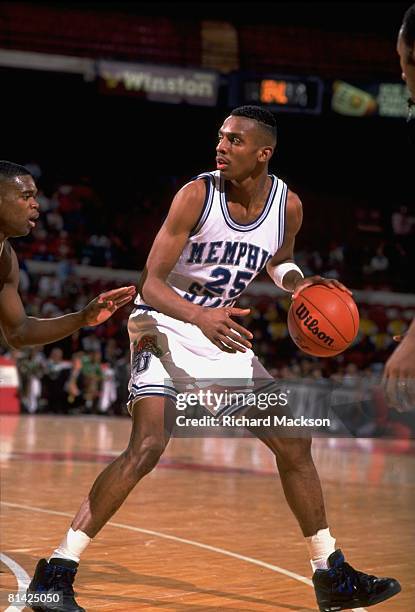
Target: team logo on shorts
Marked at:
143, 351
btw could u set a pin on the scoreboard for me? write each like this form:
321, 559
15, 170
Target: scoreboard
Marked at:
279, 93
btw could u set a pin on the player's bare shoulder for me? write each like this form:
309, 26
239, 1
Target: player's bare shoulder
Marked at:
188, 203
9, 267
294, 212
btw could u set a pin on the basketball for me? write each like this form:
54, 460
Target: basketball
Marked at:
323, 321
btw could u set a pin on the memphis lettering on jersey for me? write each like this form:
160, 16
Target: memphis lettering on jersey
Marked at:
223, 257
236, 253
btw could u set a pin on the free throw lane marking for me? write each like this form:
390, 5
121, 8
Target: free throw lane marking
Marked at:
22, 580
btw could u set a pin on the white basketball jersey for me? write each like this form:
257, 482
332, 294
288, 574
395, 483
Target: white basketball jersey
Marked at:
221, 256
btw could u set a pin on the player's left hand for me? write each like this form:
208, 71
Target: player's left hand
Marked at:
104, 306
399, 374
302, 283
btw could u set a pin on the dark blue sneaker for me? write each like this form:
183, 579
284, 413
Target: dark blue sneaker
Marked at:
341, 587
51, 587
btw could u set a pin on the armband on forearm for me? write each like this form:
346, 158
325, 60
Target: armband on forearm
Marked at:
278, 272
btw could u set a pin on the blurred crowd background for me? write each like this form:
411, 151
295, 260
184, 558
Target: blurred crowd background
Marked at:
89, 371
108, 166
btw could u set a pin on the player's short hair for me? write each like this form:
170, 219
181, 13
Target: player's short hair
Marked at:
408, 26
262, 115
9, 170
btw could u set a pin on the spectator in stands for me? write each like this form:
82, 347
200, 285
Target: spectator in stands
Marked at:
54, 220
56, 374
49, 285
74, 395
108, 395
379, 264
90, 343
25, 282
369, 221
45, 204
92, 377
402, 223
31, 366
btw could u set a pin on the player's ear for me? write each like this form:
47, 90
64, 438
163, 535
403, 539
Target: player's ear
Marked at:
265, 154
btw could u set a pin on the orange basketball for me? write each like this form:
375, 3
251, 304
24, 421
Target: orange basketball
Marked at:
323, 321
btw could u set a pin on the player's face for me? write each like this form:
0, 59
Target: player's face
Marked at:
18, 206
407, 60
240, 152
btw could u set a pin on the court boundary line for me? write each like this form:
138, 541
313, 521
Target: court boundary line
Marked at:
159, 534
22, 578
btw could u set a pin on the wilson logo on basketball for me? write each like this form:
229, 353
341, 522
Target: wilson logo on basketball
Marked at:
303, 314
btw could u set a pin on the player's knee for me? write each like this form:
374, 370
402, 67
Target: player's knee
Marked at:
293, 452
147, 455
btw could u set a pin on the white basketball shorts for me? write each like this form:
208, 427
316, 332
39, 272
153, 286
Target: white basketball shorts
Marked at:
169, 356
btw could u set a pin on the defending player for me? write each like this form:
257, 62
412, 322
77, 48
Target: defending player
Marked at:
19, 211
399, 373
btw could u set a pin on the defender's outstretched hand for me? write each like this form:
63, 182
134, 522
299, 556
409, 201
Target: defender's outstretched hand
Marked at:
318, 280
104, 306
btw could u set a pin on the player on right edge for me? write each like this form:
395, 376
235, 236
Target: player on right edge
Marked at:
399, 374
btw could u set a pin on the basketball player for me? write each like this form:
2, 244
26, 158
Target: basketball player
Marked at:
399, 374
19, 211
221, 230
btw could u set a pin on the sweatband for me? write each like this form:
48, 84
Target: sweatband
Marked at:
281, 270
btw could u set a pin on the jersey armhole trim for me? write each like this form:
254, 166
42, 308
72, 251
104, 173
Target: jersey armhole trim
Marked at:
282, 213
207, 204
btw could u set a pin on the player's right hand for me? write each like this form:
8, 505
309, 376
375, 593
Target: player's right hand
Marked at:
222, 330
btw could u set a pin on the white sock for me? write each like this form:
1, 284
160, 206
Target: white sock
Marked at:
320, 546
72, 546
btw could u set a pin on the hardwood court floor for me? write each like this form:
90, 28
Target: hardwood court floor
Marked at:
218, 493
